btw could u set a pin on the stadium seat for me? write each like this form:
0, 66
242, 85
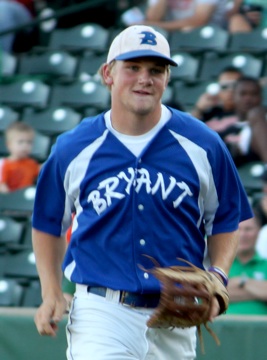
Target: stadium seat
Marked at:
8, 65
264, 95
188, 93
7, 117
167, 97
19, 203
11, 292
90, 111
250, 175
188, 66
11, 232
89, 64
26, 241
53, 120
254, 41
3, 252
24, 92
79, 95
3, 148
214, 63
21, 265
41, 146
32, 295
50, 65
80, 38
205, 38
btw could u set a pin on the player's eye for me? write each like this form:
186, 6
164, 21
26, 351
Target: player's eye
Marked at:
157, 70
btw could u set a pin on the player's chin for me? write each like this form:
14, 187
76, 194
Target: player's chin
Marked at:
145, 108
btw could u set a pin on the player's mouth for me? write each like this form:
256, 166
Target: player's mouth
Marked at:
142, 92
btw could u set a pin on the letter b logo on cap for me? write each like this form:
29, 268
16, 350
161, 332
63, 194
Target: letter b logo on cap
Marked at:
149, 38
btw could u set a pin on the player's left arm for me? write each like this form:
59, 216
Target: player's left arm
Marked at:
222, 251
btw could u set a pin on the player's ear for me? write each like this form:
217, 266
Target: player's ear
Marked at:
107, 74
168, 70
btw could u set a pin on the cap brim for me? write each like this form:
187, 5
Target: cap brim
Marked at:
145, 53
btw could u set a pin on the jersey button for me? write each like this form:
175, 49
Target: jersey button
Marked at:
140, 207
146, 276
142, 242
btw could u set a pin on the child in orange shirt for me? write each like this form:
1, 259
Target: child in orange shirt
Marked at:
18, 170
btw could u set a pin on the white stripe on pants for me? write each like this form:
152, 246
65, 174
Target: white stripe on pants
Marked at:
101, 329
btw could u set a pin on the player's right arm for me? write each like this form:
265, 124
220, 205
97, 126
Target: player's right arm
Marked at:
49, 252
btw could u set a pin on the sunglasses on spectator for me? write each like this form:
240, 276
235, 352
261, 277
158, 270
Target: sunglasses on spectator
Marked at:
227, 86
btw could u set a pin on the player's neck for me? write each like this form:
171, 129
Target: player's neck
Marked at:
134, 124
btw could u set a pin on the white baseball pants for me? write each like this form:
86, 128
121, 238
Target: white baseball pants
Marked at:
103, 329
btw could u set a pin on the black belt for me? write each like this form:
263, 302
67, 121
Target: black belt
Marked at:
129, 298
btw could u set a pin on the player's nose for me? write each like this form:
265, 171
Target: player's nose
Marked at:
145, 78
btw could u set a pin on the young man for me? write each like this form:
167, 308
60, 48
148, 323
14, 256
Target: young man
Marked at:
246, 138
145, 181
248, 275
219, 107
240, 121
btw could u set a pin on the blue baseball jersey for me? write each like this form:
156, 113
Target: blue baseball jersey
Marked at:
130, 210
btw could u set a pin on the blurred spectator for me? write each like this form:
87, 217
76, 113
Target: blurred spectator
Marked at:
247, 137
173, 15
248, 275
248, 15
221, 104
135, 14
12, 14
261, 202
30, 5
257, 132
244, 133
260, 205
18, 170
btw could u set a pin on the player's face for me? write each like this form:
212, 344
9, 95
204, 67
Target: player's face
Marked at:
20, 144
138, 85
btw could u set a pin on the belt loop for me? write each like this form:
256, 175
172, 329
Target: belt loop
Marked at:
122, 297
113, 295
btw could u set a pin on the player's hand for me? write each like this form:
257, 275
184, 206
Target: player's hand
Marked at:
215, 309
49, 314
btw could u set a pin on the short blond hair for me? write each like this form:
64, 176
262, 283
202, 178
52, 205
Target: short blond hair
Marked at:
18, 127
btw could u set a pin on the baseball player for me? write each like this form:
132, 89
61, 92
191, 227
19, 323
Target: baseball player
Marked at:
146, 182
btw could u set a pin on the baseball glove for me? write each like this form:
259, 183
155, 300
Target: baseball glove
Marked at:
186, 298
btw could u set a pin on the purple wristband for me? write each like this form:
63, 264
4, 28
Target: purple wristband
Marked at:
221, 273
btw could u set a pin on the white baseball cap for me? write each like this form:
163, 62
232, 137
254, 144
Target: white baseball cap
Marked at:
140, 41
